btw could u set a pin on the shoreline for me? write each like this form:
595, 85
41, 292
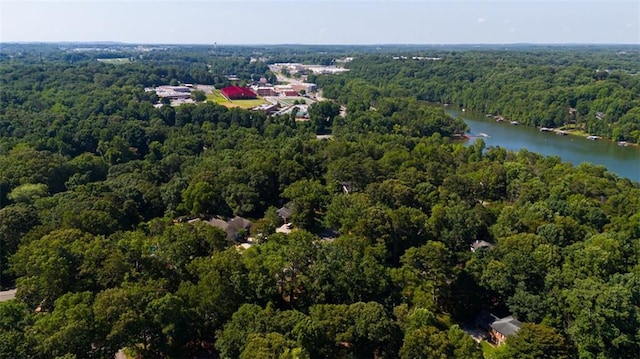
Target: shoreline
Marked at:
499, 118
563, 129
582, 134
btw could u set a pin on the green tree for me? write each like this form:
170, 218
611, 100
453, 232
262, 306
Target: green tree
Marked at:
309, 198
51, 266
247, 320
536, 341
15, 222
455, 225
254, 332
425, 275
198, 95
272, 345
70, 329
201, 198
27, 193
220, 288
427, 342
463, 345
289, 262
322, 114
348, 270
603, 319
365, 329
15, 318
144, 318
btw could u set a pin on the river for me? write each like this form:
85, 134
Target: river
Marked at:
621, 160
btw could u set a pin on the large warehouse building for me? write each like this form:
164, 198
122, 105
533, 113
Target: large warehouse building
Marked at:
238, 93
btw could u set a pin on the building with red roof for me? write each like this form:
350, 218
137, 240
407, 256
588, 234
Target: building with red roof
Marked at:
238, 93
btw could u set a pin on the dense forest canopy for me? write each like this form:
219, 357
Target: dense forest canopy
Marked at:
104, 202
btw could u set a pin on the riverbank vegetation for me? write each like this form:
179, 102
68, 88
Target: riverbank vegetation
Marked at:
98, 189
591, 89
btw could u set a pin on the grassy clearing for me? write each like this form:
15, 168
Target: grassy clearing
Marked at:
489, 351
574, 130
216, 97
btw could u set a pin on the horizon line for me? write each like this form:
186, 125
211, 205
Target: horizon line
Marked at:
109, 42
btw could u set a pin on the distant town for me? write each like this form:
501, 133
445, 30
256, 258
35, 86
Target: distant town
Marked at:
291, 95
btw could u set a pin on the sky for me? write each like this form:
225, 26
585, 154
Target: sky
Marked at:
322, 21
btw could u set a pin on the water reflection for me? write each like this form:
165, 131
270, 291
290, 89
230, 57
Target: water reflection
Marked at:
621, 160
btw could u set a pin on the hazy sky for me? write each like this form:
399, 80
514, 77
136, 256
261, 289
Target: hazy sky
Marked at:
322, 22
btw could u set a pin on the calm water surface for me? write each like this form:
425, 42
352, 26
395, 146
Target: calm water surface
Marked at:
623, 161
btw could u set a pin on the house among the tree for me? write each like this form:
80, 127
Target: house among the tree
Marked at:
347, 187
497, 328
285, 213
237, 228
480, 245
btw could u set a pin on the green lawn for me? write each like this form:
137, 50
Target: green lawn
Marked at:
490, 351
574, 130
216, 97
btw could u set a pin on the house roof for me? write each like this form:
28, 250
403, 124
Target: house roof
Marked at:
237, 224
231, 227
218, 223
480, 244
284, 212
485, 319
506, 326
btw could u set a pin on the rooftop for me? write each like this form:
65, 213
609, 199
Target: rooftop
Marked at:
284, 212
237, 91
506, 326
232, 227
480, 245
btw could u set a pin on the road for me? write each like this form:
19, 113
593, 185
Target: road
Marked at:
7, 295
318, 95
